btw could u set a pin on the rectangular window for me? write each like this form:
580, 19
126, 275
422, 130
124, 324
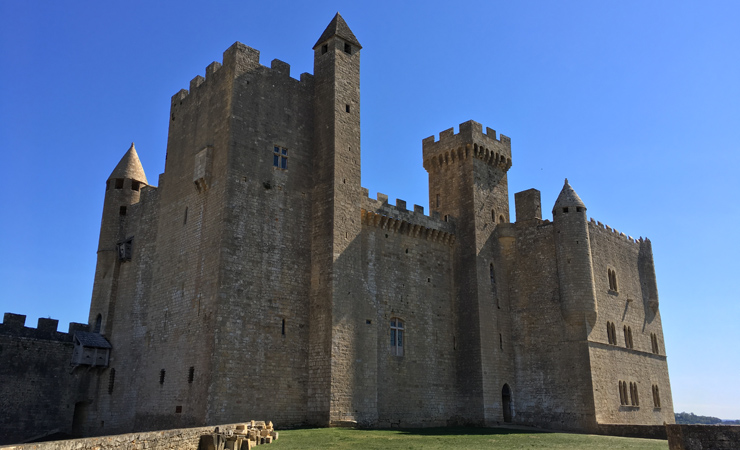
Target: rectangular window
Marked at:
280, 158
397, 329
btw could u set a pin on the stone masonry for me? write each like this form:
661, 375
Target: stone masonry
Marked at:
259, 279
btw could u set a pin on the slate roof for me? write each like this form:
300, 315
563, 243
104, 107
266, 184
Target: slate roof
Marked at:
92, 340
338, 27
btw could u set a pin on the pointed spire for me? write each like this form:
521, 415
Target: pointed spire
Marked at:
129, 167
338, 27
568, 197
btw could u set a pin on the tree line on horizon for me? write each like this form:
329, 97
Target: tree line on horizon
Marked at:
684, 418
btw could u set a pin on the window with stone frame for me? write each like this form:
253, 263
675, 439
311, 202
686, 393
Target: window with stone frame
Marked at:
612, 275
280, 157
125, 249
656, 396
398, 332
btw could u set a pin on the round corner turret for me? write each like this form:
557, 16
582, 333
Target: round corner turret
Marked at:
568, 202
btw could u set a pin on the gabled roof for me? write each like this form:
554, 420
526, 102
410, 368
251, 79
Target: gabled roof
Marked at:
568, 197
92, 340
338, 27
129, 167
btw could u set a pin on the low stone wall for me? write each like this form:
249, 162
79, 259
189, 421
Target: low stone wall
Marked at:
176, 439
703, 437
636, 431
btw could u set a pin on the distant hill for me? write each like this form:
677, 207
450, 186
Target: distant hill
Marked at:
685, 418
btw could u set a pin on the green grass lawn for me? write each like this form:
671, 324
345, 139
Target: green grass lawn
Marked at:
452, 438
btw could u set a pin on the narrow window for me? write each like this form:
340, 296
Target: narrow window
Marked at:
185, 219
347, 49
119, 183
494, 287
283, 328
346, 108
493, 215
627, 337
609, 332
621, 394
501, 219
161, 376
191, 374
501, 341
437, 200
122, 211
98, 323
654, 342
280, 157
178, 409
111, 380
324, 48
656, 396
135, 185
397, 332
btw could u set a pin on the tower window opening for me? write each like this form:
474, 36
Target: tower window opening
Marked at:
122, 211
628, 337
119, 183
107, 185
565, 210
346, 108
611, 333
397, 336
111, 381
437, 200
656, 396
501, 341
161, 376
191, 374
98, 323
125, 249
178, 409
324, 48
135, 185
280, 157
493, 215
654, 342
501, 219
612, 275
579, 209
282, 329
347, 48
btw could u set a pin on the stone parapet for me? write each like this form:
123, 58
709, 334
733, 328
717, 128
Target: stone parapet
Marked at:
703, 437
46, 328
379, 213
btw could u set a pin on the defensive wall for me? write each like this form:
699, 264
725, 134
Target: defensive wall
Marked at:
174, 439
39, 388
703, 437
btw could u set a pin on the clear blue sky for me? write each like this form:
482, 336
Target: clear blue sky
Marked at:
637, 103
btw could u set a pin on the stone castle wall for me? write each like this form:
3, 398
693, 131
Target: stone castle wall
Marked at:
39, 387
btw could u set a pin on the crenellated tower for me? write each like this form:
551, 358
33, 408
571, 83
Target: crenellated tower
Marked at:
575, 266
467, 181
122, 189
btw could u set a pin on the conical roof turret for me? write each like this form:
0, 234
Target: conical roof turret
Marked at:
338, 27
568, 197
130, 167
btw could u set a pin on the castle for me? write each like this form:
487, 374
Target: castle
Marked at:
258, 279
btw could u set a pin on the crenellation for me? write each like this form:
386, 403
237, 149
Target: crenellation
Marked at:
195, 82
452, 148
46, 328
212, 68
280, 67
597, 226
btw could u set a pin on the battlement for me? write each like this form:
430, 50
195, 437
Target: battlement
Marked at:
470, 141
398, 219
597, 226
237, 60
46, 329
